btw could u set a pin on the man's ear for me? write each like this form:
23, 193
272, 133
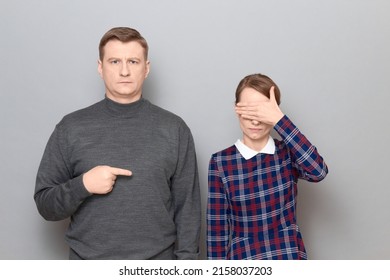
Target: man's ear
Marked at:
147, 68
100, 68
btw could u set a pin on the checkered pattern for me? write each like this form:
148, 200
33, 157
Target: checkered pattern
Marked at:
251, 211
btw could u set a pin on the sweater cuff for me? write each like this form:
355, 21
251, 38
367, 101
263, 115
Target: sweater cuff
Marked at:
78, 189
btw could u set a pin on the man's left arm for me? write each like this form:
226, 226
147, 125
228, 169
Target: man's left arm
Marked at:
186, 198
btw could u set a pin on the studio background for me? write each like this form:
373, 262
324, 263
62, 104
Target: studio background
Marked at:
330, 58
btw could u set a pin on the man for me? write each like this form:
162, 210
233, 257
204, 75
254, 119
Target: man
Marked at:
123, 169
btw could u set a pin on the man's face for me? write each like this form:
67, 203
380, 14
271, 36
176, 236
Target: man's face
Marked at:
124, 70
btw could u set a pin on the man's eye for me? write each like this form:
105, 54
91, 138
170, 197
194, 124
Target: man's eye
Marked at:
133, 61
114, 61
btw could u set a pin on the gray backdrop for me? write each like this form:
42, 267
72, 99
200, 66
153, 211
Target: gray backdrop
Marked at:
330, 58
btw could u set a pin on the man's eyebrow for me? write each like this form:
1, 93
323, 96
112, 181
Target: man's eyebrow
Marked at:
112, 57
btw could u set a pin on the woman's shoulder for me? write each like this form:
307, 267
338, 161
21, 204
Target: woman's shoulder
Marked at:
229, 151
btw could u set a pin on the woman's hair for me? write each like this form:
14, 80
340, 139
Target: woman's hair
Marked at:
260, 83
125, 35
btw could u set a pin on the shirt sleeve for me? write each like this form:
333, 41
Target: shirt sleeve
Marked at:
305, 158
218, 229
57, 195
186, 198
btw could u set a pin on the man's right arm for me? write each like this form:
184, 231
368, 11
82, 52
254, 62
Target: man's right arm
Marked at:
57, 194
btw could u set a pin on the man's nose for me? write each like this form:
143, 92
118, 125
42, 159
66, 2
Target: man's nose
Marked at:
125, 70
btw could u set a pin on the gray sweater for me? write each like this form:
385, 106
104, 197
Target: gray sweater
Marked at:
154, 214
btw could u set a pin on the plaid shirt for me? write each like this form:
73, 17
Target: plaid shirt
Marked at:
251, 211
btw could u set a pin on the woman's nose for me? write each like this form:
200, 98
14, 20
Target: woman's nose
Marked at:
255, 122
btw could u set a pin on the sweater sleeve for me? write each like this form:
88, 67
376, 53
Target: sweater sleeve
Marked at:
305, 158
57, 194
186, 198
218, 230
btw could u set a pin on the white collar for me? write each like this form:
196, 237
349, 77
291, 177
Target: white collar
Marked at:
248, 153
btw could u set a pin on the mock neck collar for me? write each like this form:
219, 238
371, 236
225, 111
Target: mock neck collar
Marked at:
248, 153
123, 110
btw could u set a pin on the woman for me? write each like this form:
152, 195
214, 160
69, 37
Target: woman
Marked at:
251, 211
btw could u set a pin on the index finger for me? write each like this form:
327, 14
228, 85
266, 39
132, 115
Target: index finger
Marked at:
120, 172
248, 105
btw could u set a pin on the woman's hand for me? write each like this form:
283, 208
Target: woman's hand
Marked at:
265, 112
